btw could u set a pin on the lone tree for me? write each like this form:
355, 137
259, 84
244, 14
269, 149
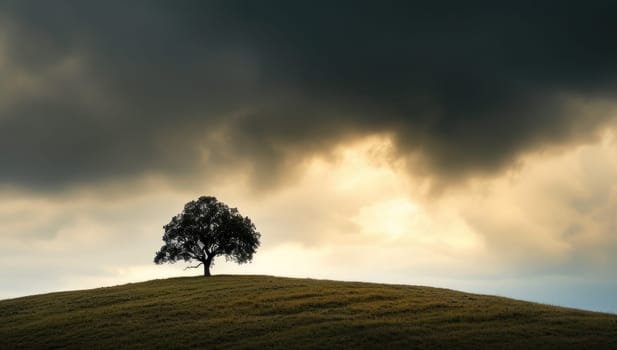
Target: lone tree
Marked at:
207, 228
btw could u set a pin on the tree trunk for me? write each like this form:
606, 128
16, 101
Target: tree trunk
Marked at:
207, 264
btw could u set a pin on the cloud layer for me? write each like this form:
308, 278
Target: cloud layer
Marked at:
107, 90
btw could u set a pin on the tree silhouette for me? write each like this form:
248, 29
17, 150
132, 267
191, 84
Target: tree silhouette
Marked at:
205, 229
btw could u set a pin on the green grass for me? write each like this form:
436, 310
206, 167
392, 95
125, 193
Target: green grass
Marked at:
263, 312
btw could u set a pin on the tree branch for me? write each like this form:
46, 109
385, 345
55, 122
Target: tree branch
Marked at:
193, 267
194, 255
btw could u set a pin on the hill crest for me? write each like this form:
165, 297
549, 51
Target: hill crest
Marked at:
248, 311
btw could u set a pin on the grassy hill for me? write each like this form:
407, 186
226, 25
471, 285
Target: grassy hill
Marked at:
262, 312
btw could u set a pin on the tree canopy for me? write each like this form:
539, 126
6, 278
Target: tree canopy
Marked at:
207, 228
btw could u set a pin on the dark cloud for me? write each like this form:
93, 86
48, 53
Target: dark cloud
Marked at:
117, 89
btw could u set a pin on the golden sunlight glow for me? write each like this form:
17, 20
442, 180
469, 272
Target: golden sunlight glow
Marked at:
393, 217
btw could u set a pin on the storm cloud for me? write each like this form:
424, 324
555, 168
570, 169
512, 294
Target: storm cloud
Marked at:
100, 90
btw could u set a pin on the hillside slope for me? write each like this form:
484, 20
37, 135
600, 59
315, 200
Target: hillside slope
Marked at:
238, 312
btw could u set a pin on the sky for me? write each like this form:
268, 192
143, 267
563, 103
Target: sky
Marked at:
466, 145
